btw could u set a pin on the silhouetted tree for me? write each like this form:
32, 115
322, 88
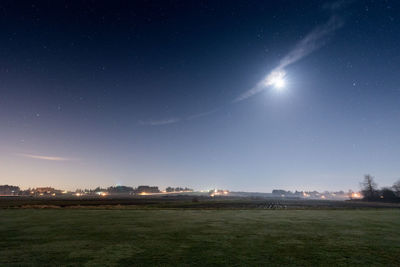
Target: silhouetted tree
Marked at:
396, 188
9, 190
387, 194
147, 189
369, 188
99, 189
120, 189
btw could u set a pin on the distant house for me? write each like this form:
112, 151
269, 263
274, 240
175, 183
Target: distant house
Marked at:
147, 189
9, 190
45, 191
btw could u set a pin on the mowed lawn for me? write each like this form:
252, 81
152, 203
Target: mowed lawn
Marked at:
199, 237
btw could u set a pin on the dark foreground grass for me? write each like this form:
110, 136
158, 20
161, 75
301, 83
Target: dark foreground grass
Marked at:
199, 237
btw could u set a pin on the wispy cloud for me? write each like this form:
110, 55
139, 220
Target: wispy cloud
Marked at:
161, 122
314, 40
334, 6
51, 158
177, 120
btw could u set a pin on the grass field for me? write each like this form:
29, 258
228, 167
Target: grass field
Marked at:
199, 237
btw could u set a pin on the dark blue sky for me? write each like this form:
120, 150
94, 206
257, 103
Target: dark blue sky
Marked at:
143, 92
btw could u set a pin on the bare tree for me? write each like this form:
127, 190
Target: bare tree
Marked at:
396, 188
369, 188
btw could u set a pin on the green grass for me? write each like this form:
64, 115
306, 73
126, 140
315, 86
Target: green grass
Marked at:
199, 237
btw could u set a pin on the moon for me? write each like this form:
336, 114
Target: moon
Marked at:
279, 84
276, 79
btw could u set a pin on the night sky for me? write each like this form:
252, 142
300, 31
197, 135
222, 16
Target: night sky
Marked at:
179, 93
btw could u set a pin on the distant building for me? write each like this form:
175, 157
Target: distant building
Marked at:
45, 191
147, 189
9, 190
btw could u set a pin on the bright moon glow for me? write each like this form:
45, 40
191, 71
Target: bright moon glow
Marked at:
276, 79
279, 84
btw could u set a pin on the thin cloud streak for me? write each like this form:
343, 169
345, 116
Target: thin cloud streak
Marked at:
32, 156
313, 41
160, 122
255, 90
177, 120
334, 6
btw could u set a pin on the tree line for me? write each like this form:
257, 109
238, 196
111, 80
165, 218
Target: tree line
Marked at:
11, 190
371, 191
